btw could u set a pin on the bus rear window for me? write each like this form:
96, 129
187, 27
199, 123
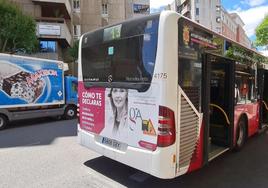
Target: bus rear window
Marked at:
122, 55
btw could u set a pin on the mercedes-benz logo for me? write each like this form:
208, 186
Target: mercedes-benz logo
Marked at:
110, 78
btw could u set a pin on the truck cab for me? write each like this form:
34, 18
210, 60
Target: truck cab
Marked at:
70, 96
71, 89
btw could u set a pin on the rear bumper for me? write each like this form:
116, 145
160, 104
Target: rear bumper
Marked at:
158, 163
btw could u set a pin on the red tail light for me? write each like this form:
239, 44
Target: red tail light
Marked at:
166, 127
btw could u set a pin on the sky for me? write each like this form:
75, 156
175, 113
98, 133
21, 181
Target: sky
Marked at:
251, 12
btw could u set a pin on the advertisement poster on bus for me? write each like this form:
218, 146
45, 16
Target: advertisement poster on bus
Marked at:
26, 82
124, 115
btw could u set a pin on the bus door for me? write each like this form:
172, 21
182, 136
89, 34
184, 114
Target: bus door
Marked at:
263, 91
217, 105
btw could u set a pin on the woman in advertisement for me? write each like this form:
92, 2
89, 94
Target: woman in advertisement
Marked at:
119, 104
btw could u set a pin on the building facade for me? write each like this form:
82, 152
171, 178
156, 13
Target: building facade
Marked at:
60, 22
212, 15
241, 36
228, 25
53, 25
89, 15
205, 12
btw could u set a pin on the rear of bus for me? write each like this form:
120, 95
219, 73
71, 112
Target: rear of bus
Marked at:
128, 93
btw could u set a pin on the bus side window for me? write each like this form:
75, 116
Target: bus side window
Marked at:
237, 94
245, 90
189, 79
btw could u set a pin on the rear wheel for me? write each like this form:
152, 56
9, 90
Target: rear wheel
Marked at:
70, 112
240, 135
3, 122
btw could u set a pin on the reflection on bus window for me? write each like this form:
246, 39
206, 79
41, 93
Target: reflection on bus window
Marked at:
245, 91
190, 79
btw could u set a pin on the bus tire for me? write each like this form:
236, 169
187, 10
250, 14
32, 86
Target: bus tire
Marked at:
70, 112
240, 135
3, 121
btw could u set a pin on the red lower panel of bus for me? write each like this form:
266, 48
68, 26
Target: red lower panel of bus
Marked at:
197, 158
251, 112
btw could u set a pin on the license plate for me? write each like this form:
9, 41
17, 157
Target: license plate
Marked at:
112, 143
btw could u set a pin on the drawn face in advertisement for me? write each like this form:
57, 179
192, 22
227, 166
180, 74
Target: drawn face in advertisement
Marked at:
119, 104
119, 97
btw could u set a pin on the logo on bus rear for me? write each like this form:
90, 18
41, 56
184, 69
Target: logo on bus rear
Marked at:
110, 78
146, 125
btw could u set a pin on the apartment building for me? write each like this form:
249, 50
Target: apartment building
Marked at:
60, 22
205, 12
212, 15
89, 15
241, 36
229, 26
53, 20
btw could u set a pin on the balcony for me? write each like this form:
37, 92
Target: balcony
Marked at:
53, 29
183, 1
55, 8
186, 9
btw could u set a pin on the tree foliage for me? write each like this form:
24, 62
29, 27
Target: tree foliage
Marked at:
245, 56
17, 31
262, 32
73, 51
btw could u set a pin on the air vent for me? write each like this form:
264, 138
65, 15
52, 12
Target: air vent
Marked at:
189, 130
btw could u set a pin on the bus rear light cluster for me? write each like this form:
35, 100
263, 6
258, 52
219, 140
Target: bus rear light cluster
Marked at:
166, 127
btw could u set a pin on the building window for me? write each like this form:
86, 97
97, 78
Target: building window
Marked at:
48, 46
141, 9
197, 11
77, 30
218, 8
74, 86
104, 9
76, 5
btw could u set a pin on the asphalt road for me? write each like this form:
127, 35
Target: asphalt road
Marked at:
45, 153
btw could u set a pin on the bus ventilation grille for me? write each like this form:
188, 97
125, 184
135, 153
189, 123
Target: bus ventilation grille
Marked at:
189, 122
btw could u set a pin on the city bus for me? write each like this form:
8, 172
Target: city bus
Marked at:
165, 95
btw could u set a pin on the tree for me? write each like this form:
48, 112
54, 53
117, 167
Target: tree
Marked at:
17, 31
73, 51
262, 33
